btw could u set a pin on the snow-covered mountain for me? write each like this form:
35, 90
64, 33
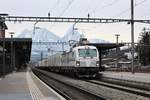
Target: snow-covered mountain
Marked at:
44, 35
40, 35
25, 34
72, 34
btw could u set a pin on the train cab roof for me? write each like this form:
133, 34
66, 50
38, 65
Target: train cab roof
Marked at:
84, 47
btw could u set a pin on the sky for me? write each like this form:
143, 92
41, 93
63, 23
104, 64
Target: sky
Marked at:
79, 8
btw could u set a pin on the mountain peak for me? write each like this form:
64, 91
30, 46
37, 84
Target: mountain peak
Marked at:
39, 35
72, 34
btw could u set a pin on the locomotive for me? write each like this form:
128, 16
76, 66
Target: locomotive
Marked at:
82, 61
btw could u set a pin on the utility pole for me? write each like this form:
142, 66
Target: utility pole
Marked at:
132, 34
117, 48
117, 38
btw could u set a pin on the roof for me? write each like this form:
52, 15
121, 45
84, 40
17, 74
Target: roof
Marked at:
22, 47
105, 46
3, 25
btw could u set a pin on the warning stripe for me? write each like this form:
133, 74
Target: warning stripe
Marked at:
58, 95
34, 90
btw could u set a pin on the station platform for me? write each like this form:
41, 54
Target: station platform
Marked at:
25, 86
136, 77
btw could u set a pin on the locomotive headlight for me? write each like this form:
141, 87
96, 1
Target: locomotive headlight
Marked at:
78, 63
97, 63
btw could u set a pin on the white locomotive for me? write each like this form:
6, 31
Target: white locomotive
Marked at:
81, 61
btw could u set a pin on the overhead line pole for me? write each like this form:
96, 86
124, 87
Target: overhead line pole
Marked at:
132, 34
34, 27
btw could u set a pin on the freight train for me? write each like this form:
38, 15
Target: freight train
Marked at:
82, 61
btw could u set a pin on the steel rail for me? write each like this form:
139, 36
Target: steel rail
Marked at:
86, 92
43, 78
130, 89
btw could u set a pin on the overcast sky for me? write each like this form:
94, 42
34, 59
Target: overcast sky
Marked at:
79, 8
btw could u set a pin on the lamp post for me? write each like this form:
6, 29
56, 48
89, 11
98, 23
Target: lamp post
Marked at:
12, 67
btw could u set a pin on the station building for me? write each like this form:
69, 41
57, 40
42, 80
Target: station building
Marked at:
14, 52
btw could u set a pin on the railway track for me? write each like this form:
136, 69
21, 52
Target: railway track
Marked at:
77, 89
69, 91
126, 83
129, 89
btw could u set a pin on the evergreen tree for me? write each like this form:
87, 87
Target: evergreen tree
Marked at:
144, 47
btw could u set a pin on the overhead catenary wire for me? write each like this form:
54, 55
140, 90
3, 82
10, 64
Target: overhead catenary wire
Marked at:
97, 8
144, 15
110, 4
51, 10
141, 2
55, 5
124, 11
89, 2
93, 11
66, 8
105, 6
128, 9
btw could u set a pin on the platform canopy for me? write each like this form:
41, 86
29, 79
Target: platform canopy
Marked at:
106, 46
21, 49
